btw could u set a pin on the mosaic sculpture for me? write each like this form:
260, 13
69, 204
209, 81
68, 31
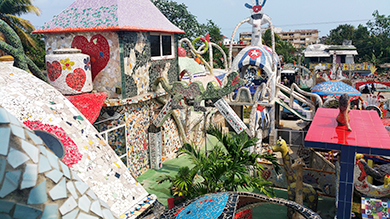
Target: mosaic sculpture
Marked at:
310, 195
15, 49
35, 183
362, 170
40, 106
343, 116
225, 205
193, 92
298, 166
69, 71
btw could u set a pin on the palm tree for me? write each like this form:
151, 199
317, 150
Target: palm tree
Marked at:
9, 12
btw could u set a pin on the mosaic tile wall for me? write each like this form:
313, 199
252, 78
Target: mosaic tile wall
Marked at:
50, 189
31, 99
116, 138
137, 122
139, 71
103, 48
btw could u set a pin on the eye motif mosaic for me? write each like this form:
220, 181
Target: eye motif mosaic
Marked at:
53, 190
31, 99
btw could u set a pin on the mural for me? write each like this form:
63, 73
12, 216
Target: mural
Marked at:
104, 62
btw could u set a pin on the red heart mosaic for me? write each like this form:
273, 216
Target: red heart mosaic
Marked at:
76, 80
97, 48
53, 70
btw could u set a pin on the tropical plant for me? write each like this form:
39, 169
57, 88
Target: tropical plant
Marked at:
182, 183
227, 167
9, 12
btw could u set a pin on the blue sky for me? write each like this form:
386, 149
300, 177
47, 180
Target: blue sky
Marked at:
323, 15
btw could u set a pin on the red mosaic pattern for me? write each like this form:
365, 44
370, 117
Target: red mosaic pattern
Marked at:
53, 70
72, 154
97, 48
76, 80
89, 104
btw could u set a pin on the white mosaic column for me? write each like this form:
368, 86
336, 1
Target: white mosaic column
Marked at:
155, 147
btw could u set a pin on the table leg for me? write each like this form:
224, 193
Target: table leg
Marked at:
347, 161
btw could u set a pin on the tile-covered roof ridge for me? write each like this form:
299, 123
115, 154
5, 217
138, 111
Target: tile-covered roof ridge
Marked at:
109, 15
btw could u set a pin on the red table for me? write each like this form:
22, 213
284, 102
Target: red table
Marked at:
368, 136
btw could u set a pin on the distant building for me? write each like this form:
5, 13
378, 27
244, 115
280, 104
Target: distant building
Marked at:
334, 58
226, 41
298, 38
320, 53
245, 38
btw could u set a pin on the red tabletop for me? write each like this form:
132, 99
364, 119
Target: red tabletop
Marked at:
367, 130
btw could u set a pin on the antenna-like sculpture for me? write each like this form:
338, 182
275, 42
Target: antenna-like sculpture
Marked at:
256, 21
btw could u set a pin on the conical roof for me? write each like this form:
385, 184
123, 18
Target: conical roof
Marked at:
109, 15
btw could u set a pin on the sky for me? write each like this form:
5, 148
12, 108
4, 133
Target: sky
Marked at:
323, 15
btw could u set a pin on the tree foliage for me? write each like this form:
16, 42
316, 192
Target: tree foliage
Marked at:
179, 15
372, 40
9, 12
283, 48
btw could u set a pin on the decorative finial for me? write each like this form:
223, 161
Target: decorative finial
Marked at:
256, 5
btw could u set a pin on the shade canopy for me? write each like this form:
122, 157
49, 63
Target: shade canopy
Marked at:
334, 88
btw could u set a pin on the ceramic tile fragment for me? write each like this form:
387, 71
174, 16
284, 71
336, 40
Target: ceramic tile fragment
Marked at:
107, 214
3, 164
23, 212
4, 116
44, 164
43, 150
30, 150
54, 175
18, 131
71, 215
84, 203
68, 205
11, 182
5, 216
5, 133
72, 189
104, 204
6, 206
81, 187
86, 216
37, 140
50, 212
13, 119
16, 158
38, 194
30, 176
53, 159
95, 208
58, 191
65, 170
91, 194
75, 176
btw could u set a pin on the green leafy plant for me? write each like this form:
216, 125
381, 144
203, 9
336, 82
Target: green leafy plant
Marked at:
227, 167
